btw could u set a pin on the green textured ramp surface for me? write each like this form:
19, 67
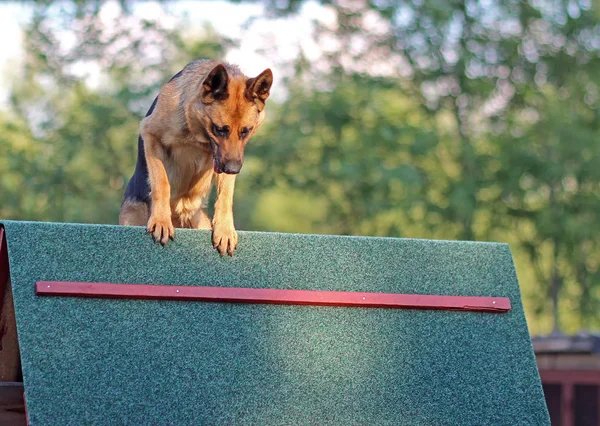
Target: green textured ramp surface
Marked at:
141, 362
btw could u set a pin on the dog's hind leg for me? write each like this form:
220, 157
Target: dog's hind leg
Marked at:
134, 213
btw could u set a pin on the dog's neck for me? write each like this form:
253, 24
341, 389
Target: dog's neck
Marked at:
196, 132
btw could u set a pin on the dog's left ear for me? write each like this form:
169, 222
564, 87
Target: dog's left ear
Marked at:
258, 88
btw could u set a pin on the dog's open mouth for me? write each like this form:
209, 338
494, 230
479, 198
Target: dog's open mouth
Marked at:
216, 166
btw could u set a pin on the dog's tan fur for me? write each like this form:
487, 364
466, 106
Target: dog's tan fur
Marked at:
177, 142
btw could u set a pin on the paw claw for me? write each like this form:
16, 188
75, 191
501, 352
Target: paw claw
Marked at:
161, 229
225, 240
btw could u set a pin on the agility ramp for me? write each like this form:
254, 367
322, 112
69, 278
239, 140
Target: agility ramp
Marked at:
251, 353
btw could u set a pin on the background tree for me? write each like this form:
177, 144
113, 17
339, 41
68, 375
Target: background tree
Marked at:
429, 119
507, 92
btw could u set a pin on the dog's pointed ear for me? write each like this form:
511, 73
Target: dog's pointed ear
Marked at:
258, 88
214, 87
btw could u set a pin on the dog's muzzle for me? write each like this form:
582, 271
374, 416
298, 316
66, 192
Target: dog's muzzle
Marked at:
230, 167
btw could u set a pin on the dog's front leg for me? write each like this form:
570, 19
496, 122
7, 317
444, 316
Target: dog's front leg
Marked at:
160, 223
224, 238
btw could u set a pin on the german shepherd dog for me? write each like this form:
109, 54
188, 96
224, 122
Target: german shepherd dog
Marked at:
196, 129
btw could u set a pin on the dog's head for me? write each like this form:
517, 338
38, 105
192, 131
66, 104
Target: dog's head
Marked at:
232, 110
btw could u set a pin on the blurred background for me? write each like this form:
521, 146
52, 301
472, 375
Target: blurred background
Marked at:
470, 120
425, 119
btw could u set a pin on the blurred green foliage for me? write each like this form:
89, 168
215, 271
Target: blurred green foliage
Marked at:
427, 119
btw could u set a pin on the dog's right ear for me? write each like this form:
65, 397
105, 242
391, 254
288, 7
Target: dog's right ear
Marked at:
214, 87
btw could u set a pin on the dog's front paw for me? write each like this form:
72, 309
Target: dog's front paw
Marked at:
161, 229
224, 239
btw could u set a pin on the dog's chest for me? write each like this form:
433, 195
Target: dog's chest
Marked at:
189, 170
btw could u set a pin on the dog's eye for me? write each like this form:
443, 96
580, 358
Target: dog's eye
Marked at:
221, 131
244, 132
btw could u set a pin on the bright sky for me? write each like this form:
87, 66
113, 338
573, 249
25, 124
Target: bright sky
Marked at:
283, 35
12, 16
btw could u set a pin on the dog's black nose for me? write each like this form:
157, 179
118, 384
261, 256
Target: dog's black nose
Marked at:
232, 167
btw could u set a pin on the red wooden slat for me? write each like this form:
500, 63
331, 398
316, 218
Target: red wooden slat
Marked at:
272, 296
